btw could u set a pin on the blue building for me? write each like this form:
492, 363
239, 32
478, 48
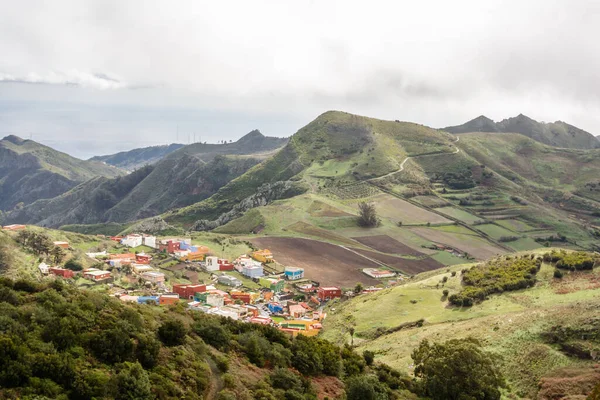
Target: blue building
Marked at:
275, 308
146, 299
294, 273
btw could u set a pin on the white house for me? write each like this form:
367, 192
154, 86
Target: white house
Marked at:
133, 240
44, 268
150, 241
212, 263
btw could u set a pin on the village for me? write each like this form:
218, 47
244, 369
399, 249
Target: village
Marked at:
253, 287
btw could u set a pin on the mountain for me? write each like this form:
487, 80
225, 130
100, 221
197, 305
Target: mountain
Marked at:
186, 176
137, 158
30, 171
557, 134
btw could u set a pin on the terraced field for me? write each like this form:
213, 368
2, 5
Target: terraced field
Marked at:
398, 210
459, 214
473, 245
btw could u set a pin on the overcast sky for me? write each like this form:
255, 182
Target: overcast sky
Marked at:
94, 77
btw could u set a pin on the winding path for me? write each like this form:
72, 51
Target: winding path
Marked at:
407, 158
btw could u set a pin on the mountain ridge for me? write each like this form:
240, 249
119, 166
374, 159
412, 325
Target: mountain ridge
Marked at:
557, 134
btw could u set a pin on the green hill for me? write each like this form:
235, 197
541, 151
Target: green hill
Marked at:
545, 336
186, 176
137, 158
557, 134
30, 171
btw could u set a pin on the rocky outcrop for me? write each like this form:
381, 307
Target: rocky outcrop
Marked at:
151, 225
264, 195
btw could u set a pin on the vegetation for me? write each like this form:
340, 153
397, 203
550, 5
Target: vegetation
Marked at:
496, 276
87, 345
367, 215
446, 371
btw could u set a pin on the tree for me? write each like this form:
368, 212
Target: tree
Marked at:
132, 383
446, 371
365, 387
57, 254
73, 265
172, 332
369, 357
358, 288
367, 217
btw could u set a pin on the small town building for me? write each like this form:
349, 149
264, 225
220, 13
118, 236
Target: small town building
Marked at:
43, 268
296, 310
123, 258
129, 299
229, 280
300, 327
275, 284
328, 292
261, 320
193, 255
244, 297
218, 264
211, 299
62, 272
62, 244
133, 240
293, 273
148, 300
116, 238
378, 273
275, 308
97, 254
168, 298
143, 258
264, 256
188, 291
150, 241
96, 275
13, 227
169, 246
140, 268
153, 276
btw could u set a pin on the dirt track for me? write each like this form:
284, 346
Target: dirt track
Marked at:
323, 262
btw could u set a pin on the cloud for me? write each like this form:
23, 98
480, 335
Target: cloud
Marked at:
72, 78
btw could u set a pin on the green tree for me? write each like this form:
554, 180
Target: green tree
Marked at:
57, 254
132, 383
172, 332
73, 265
147, 350
365, 387
358, 288
367, 215
456, 370
369, 357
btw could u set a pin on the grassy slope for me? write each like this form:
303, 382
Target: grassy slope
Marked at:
509, 324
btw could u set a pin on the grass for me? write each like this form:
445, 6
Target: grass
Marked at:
495, 231
508, 324
515, 225
459, 214
447, 258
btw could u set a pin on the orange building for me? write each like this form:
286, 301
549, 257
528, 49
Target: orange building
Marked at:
170, 298
13, 227
64, 245
264, 256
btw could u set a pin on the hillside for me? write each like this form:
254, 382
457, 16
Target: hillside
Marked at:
186, 176
137, 158
30, 171
557, 134
545, 337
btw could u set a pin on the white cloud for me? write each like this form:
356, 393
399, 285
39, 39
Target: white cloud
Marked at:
72, 77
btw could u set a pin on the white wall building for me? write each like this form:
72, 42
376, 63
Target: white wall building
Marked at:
150, 241
212, 263
133, 240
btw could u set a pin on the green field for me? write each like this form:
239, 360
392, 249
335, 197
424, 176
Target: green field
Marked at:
459, 214
509, 324
495, 231
515, 225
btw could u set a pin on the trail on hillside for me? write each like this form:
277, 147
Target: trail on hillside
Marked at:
407, 158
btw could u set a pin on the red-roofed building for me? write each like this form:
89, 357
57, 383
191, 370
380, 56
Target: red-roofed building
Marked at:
127, 257
188, 291
143, 258
169, 298
170, 246
329, 292
63, 272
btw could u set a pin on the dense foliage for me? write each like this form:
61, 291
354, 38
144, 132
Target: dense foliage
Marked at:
457, 369
59, 342
496, 276
367, 215
573, 261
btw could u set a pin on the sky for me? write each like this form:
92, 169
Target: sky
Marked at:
93, 77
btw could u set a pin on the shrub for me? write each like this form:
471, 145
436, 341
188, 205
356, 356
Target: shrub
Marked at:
445, 292
558, 274
365, 387
367, 217
369, 357
172, 332
73, 265
440, 369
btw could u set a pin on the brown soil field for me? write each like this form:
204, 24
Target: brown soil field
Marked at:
405, 265
320, 209
386, 244
398, 210
323, 262
308, 229
475, 246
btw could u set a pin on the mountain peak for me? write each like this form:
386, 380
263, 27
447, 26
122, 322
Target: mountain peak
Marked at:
252, 135
14, 139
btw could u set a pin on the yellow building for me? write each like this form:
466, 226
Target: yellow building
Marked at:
264, 256
300, 327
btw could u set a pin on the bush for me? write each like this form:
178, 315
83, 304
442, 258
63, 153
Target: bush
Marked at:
496, 276
558, 274
365, 387
73, 265
172, 332
445, 292
367, 217
440, 370
369, 357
